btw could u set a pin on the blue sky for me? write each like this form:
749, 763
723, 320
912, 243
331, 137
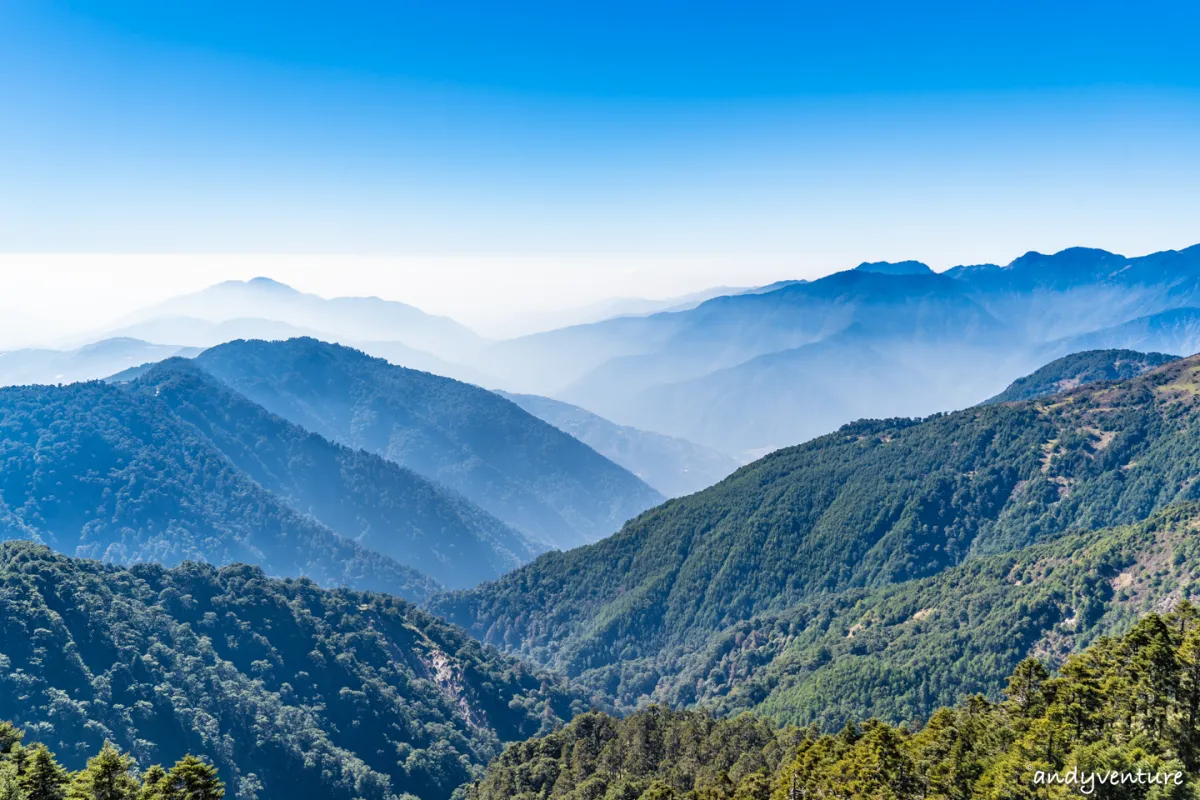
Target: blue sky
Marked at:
806, 136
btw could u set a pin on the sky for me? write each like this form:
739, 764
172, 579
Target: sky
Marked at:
491, 158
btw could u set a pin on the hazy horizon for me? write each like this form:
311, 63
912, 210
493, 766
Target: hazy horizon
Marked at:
58, 300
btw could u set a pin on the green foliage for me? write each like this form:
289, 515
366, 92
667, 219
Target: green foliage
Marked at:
34, 774
1082, 368
292, 690
545, 483
877, 504
100, 471
1124, 704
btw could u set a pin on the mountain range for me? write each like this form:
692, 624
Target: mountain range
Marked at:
92, 361
262, 302
97, 470
873, 505
750, 372
361, 496
548, 485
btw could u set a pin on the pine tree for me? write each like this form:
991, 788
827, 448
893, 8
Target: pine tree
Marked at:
106, 777
44, 778
1024, 692
154, 784
192, 779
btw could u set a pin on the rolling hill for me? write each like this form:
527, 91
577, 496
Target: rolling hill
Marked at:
531, 475
361, 496
93, 469
290, 689
874, 504
670, 465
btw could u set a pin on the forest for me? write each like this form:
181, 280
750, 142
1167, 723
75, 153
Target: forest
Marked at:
1121, 719
32, 773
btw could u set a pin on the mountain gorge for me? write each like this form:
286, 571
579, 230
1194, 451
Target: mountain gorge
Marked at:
548, 485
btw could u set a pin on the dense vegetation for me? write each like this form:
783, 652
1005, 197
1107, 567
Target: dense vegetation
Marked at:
32, 773
361, 496
96, 470
1128, 704
877, 503
898, 652
1079, 369
533, 476
291, 690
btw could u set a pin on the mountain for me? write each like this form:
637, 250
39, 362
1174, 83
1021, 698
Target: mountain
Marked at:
97, 360
670, 465
1118, 721
354, 319
899, 651
803, 359
548, 485
203, 333
292, 690
361, 496
873, 504
895, 267
1078, 369
95, 470
734, 372
611, 308
1176, 331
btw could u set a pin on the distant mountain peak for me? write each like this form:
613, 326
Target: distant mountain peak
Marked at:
1070, 257
895, 267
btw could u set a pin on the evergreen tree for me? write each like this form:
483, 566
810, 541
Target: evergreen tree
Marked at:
44, 779
192, 779
106, 777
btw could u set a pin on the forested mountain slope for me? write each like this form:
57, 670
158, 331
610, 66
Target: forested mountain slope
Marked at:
897, 652
875, 503
1126, 706
1081, 368
362, 496
669, 464
293, 691
547, 484
96, 470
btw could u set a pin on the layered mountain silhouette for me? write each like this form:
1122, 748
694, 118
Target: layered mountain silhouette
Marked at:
92, 361
750, 372
670, 465
531, 475
366, 498
262, 305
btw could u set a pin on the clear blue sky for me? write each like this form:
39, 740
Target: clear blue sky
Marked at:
829, 132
